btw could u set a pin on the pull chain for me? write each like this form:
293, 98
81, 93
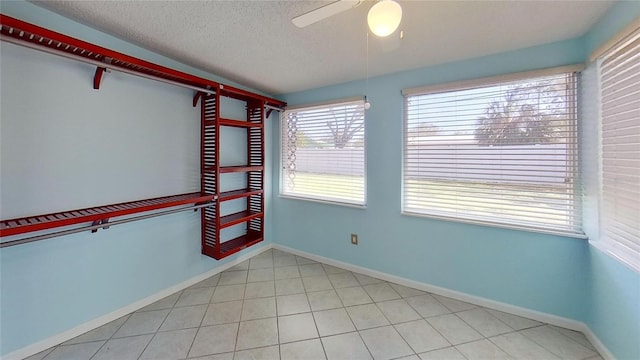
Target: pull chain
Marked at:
367, 104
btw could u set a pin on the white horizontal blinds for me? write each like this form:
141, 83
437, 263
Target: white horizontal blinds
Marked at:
323, 155
499, 153
620, 205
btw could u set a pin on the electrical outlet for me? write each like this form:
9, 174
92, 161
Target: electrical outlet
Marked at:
354, 239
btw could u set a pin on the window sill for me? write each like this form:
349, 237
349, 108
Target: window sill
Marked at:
498, 225
326, 202
623, 258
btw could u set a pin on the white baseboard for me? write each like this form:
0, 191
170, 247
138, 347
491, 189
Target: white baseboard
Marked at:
102, 320
476, 300
595, 341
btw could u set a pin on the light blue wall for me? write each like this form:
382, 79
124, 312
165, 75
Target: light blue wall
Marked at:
618, 16
615, 305
614, 293
63, 146
557, 275
535, 271
61, 283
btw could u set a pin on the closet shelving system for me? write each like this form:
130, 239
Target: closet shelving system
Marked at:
209, 199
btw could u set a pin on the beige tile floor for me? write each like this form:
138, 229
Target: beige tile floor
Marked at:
281, 306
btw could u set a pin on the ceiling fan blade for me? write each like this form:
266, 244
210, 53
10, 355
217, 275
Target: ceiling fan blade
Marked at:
324, 12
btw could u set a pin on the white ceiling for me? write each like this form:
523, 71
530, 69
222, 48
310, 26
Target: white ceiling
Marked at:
255, 44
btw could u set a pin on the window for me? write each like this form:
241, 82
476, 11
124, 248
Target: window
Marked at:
322, 152
620, 149
499, 151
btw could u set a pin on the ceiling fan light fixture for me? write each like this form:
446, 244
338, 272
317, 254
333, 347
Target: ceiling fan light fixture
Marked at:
384, 17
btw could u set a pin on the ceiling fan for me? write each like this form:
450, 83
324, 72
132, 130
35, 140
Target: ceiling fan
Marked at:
383, 18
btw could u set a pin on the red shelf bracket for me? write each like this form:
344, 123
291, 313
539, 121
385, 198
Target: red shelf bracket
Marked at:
100, 222
196, 97
97, 78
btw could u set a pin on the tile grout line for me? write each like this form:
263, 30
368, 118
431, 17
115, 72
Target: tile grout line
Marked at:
375, 303
358, 331
205, 312
306, 295
105, 341
306, 292
453, 312
147, 345
428, 323
244, 292
361, 338
501, 348
544, 347
275, 298
477, 330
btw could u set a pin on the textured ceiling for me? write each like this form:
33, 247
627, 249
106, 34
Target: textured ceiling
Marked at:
254, 42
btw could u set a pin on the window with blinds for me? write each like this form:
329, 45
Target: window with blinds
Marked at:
620, 146
499, 151
323, 152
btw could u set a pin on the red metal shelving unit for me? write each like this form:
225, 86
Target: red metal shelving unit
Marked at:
253, 215
209, 92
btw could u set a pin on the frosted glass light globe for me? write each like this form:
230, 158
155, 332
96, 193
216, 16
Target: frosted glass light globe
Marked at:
384, 17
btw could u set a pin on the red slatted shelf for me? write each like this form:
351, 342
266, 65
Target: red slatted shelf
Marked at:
238, 218
234, 123
232, 169
238, 194
72, 217
238, 123
232, 246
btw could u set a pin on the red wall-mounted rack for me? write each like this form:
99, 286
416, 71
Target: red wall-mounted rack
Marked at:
29, 35
33, 36
66, 218
98, 216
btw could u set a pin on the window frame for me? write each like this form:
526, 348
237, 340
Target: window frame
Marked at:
487, 82
356, 100
607, 245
